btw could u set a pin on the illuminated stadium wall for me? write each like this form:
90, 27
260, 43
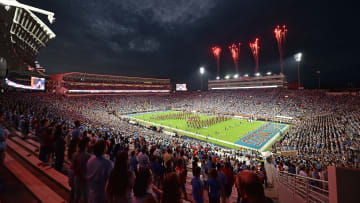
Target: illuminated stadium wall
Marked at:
72, 84
271, 81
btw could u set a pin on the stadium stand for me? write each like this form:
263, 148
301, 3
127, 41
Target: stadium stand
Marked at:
61, 179
325, 134
85, 84
267, 81
38, 188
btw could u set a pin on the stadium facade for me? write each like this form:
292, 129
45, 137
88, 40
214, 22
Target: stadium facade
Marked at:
269, 81
79, 84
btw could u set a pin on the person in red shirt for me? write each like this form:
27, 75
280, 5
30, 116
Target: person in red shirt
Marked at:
182, 173
229, 177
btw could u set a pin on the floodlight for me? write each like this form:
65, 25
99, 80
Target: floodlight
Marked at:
298, 57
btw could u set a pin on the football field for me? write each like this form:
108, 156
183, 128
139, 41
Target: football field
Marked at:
233, 132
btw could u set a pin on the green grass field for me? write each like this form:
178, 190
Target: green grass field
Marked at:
239, 127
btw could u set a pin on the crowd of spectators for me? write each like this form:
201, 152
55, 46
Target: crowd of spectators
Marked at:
112, 160
321, 141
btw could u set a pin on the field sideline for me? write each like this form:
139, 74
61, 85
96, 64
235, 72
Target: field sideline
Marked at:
236, 129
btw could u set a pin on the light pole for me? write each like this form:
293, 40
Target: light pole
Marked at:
298, 59
202, 71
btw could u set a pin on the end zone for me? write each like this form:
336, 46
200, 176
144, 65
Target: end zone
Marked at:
259, 138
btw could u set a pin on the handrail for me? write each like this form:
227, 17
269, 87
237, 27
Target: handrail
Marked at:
307, 188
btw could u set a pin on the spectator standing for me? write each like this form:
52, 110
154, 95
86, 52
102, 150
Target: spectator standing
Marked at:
251, 188
133, 162
168, 157
223, 182
182, 173
42, 130
46, 144
197, 186
157, 170
121, 181
229, 178
78, 166
25, 126
214, 186
76, 133
171, 189
143, 187
98, 172
59, 148
144, 161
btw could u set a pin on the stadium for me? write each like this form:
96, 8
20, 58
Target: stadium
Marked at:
122, 110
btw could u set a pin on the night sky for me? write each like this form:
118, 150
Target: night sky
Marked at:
172, 38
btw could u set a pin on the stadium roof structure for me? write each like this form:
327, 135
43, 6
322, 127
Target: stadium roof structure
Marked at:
24, 34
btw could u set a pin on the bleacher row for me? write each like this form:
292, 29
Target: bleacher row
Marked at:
55, 188
27, 148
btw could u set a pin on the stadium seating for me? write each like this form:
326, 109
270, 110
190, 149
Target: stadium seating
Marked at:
40, 190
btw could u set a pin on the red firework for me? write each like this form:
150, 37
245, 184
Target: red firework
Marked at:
235, 52
216, 50
280, 34
254, 46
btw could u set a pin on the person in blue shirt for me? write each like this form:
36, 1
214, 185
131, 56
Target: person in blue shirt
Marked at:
197, 186
75, 133
214, 186
133, 162
98, 171
210, 164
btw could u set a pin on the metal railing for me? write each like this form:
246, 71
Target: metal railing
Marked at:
309, 189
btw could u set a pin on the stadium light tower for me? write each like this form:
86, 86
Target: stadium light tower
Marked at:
8, 3
202, 71
298, 60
